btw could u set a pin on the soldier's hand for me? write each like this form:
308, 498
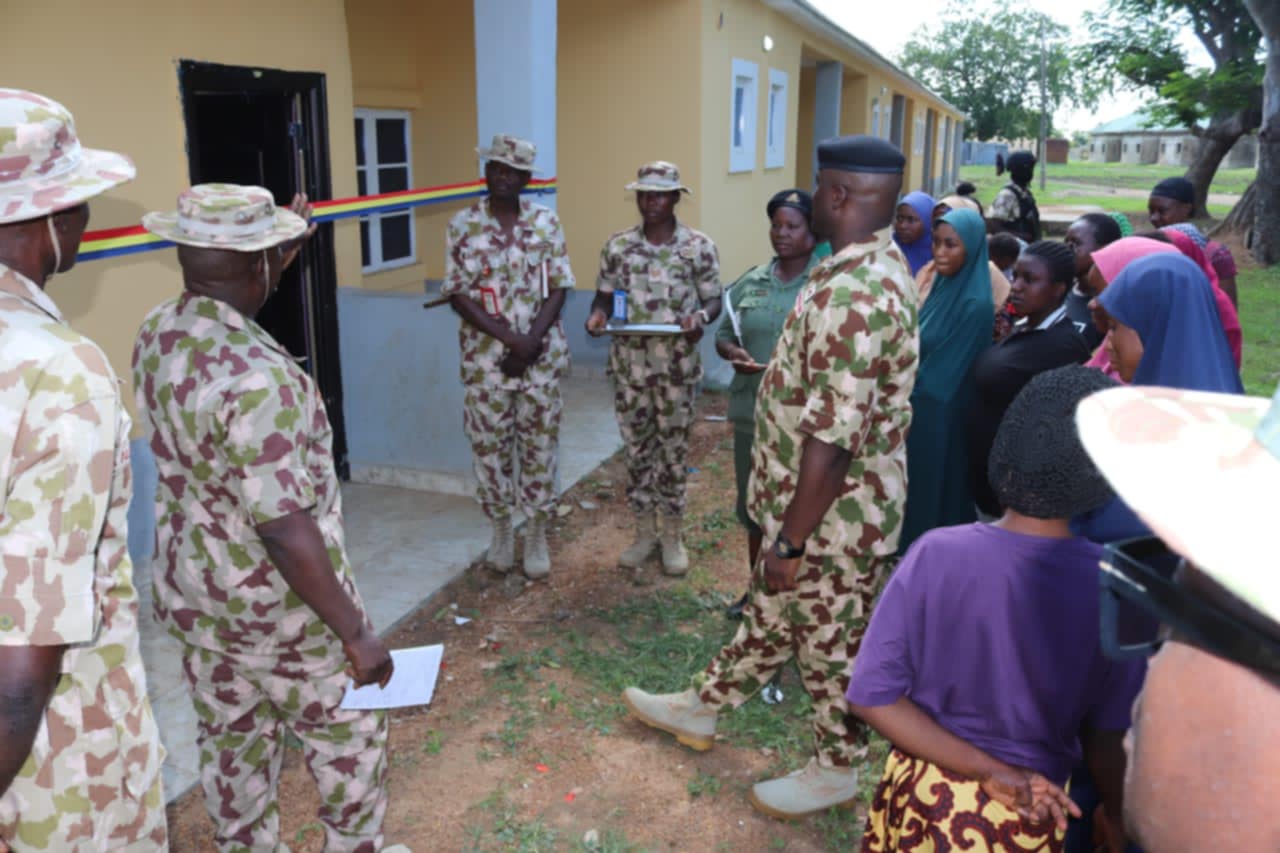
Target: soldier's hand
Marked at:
692, 326
289, 251
596, 323
512, 367
525, 348
780, 574
368, 661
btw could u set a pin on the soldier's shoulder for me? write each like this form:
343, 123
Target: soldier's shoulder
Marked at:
468, 214
619, 240
692, 236
45, 352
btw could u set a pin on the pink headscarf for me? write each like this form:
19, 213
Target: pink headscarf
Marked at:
1226, 311
1113, 257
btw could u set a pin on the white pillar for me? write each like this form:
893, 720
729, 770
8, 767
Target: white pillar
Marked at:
516, 76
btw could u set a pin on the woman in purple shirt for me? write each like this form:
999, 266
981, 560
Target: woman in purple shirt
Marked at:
982, 661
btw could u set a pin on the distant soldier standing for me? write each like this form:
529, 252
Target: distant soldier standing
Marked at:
80, 751
507, 274
667, 273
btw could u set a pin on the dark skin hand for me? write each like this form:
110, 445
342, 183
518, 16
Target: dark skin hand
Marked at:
28, 675
1026, 792
822, 470
1104, 755
297, 549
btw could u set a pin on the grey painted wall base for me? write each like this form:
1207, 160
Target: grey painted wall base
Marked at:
443, 482
142, 506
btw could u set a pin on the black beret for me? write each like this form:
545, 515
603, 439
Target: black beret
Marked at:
860, 154
799, 199
1020, 158
1178, 189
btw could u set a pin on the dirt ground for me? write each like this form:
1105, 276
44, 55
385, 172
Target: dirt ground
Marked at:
526, 746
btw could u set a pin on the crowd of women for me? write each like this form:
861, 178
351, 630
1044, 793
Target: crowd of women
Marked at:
1156, 308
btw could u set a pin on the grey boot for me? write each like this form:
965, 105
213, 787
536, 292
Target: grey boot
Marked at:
502, 547
675, 559
681, 714
806, 791
645, 544
537, 559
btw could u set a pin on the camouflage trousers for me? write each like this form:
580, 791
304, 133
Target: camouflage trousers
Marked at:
101, 791
820, 623
510, 425
245, 706
654, 421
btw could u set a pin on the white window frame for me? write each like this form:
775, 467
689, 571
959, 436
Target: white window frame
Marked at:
743, 110
370, 172
775, 143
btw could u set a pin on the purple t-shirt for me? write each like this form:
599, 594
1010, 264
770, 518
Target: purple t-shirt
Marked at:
995, 636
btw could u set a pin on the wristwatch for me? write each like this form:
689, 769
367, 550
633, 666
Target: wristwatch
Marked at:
706, 318
784, 550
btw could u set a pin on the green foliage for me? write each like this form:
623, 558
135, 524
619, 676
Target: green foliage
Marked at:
988, 64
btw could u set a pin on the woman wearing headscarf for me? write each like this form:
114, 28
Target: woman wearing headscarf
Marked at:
757, 307
913, 229
1172, 202
1108, 262
1226, 311
955, 325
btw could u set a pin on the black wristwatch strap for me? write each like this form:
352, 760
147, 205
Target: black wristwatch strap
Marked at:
785, 550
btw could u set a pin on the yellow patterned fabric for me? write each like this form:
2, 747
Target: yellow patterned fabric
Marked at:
919, 806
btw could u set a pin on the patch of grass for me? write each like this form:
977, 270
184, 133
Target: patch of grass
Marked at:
1259, 290
507, 830
704, 783
610, 841
1126, 175
433, 743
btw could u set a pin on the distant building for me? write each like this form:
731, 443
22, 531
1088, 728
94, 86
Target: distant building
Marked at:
1139, 139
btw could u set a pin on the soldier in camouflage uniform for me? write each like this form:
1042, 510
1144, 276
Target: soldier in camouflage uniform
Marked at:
252, 573
507, 275
668, 273
828, 482
80, 753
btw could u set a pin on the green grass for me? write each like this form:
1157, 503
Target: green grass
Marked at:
1259, 290
1138, 177
1083, 190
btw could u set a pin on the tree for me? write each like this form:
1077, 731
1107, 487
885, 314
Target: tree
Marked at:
1266, 211
988, 65
1138, 41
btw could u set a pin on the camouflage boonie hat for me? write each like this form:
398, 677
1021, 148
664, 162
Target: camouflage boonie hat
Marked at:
43, 168
658, 177
1203, 471
512, 150
226, 216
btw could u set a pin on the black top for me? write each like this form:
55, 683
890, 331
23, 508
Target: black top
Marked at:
1078, 314
999, 373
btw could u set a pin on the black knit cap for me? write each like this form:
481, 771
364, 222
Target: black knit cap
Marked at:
860, 154
1178, 189
796, 198
1038, 466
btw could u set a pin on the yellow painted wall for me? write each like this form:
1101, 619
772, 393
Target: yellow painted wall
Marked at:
114, 65
627, 93
855, 102
419, 55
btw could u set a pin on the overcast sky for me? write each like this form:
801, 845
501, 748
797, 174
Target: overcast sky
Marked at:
887, 33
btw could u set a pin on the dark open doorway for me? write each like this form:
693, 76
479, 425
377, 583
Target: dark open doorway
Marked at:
270, 128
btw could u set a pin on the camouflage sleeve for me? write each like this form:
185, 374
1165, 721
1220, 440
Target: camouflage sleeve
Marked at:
843, 358
1005, 207
455, 271
257, 436
559, 274
707, 272
59, 488
610, 260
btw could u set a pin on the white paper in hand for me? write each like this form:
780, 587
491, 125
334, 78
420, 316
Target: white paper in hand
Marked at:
412, 683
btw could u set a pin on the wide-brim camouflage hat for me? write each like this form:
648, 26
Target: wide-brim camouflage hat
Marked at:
660, 176
43, 166
513, 151
1203, 471
226, 216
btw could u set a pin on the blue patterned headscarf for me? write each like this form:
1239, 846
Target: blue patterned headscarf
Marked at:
920, 252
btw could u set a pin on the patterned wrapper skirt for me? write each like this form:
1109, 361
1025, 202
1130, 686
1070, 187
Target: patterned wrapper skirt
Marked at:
920, 806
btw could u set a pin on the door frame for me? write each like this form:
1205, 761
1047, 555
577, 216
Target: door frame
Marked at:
312, 137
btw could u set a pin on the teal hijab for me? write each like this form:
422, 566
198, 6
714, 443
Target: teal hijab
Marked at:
955, 326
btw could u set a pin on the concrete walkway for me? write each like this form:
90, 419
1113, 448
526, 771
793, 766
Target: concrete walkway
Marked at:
404, 545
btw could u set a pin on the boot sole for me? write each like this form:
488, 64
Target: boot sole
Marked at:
698, 743
636, 564
781, 815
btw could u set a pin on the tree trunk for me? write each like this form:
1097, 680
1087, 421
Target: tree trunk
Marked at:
1242, 216
1266, 231
1215, 141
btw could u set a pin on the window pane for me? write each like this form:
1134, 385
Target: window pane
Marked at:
359, 142
739, 117
393, 179
364, 243
362, 182
773, 112
391, 133
395, 236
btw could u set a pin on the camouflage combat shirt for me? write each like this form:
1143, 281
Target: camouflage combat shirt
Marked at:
664, 284
505, 276
66, 578
842, 373
240, 437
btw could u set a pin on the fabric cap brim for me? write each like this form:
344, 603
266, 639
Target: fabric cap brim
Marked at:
97, 172
1188, 464
287, 226
648, 187
506, 161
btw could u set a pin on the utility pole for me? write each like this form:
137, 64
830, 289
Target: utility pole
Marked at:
1044, 108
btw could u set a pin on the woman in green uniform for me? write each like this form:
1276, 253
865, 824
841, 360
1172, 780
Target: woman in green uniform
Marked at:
760, 301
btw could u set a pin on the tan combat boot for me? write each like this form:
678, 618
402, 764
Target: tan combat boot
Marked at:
537, 559
502, 547
807, 791
646, 541
675, 559
681, 714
